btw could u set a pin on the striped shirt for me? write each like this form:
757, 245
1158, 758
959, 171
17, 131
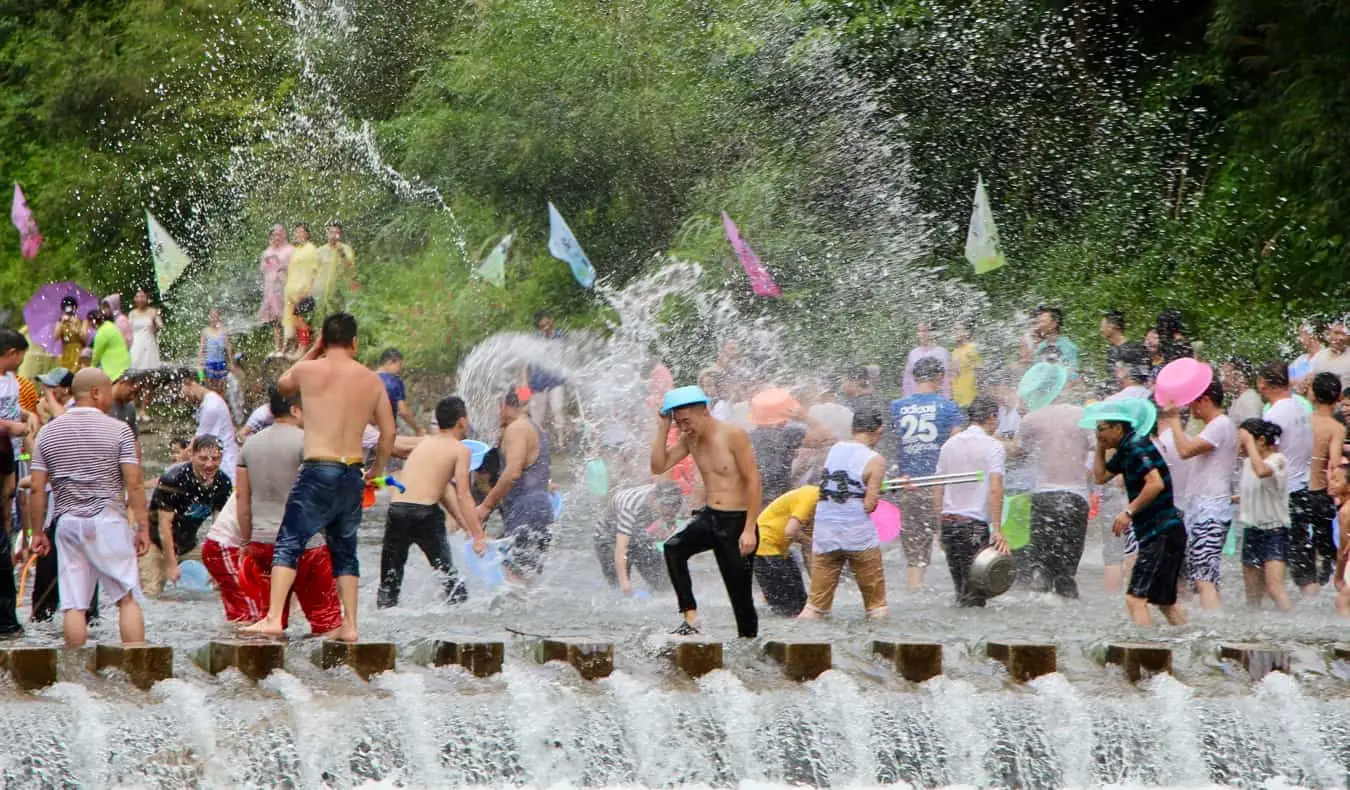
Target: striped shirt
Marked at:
629, 512
83, 451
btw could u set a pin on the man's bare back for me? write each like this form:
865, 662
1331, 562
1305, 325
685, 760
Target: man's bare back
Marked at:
430, 468
340, 396
1328, 438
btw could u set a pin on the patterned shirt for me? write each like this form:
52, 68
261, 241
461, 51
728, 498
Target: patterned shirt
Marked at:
1134, 459
83, 452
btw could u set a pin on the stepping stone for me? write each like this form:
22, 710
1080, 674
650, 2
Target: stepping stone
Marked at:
594, 660
913, 661
365, 658
1340, 652
1024, 660
1138, 659
256, 659
145, 665
1258, 659
483, 659
801, 660
31, 667
696, 658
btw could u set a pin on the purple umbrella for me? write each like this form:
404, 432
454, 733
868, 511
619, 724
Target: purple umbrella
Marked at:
43, 312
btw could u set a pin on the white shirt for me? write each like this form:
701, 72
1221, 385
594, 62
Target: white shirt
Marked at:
1265, 503
1296, 440
971, 450
1132, 391
225, 527
1245, 407
1209, 476
1178, 469
213, 419
845, 526
1328, 361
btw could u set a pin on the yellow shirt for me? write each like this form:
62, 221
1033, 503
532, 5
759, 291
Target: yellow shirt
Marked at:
800, 504
334, 266
966, 357
300, 275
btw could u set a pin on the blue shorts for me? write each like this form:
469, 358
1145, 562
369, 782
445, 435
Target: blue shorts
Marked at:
326, 498
217, 369
1260, 546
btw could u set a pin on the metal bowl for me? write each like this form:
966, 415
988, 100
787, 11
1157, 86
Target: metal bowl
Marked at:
991, 573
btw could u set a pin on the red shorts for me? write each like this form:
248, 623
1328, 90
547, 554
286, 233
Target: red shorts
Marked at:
222, 562
314, 587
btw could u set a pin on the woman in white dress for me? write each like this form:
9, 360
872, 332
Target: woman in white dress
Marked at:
145, 325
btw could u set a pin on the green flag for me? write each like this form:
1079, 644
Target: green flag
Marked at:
982, 247
170, 260
494, 265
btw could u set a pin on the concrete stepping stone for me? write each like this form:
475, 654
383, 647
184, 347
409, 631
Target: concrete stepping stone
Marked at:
255, 658
694, 657
144, 665
1139, 659
1258, 659
481, 658
1024, 660
365, 658
801, 660
592, 659
31, 667
913, 661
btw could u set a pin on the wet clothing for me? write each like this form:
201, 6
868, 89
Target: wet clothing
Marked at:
629, 513
1158, 566
1204, 550
799, 503
1312, 548
216, 357
962, 539
868, 572
110, 350
191, 500
544, 379
409, 523
1260, 546
527, 513
393, 387
1133, 460
95, 551
780, 579
326, 498
224, 564
921, 519
775, 448
920, 424
841, 522
314, 588
720, 532
1058, 532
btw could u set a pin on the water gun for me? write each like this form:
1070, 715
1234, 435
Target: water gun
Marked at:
368, 496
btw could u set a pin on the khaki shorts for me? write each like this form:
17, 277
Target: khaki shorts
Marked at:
867, 571
152, 568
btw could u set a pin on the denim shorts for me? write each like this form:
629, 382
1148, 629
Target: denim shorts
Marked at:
326, 498
1260, 546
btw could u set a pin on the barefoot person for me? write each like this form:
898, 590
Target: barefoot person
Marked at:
522, 490
341, 396
435, 474
726, 526
90, 460
1263, 513
268, 466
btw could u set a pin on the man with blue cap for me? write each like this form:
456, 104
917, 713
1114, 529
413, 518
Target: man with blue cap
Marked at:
435, 475
1124, 426
727, 524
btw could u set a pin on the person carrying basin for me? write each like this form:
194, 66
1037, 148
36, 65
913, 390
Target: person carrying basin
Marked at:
632, 531
726, 525
971, 515
435, 475
187, 495
522, 490
1125, 448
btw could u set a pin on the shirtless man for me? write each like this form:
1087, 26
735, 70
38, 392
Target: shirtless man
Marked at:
727, 525
341, 396
435, 475
1313, 558
522, 490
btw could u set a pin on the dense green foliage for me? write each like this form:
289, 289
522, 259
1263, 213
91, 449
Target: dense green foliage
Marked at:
1138, 154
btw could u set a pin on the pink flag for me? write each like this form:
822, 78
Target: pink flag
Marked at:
760, 281
22, 217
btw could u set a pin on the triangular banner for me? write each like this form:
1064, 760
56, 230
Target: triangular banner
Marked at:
565, 247
982, 247
761, 282
170, 260
29, 238
494, 265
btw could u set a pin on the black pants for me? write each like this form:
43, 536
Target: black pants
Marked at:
1058, 530
962, 539
423, 525
720, 532
643, 557
1312, 549
780, 579
46, 597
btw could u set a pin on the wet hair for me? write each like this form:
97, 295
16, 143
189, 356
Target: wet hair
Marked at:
303, 226
1260, 429
1243, 367
279, 403
1326, 388
1276, 373
867, 420
1114, 318
981, 409
339, 329
1169, 323
1054, 312
856, 373
928, 369
540, 316
667, 493
390, 355
448, 411
180, 443
1214, 392
333, 224
205, 441
1135, 357
11, 339
491, 466
510, 400
69, 301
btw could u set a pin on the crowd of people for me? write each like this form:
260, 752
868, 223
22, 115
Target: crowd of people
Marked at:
782, 481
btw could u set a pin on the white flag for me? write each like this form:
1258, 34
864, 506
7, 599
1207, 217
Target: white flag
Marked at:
170, 260
982, 248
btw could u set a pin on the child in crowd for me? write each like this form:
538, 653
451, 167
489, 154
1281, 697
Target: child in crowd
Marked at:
1339, 485
1263, 513
213, 356
303, 333
844, 534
